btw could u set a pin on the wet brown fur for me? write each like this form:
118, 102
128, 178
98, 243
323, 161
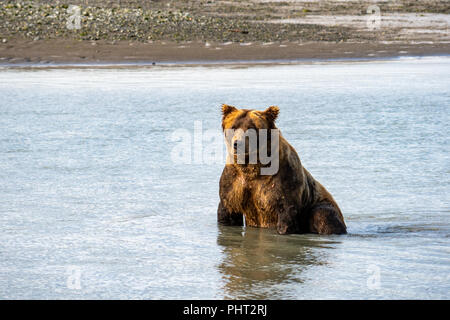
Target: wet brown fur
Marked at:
291, 200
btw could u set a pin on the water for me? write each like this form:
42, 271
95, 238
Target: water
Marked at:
89, 191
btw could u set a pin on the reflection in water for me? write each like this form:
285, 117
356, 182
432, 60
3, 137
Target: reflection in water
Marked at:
258, 263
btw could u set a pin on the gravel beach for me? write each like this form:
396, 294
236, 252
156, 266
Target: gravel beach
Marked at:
160, 31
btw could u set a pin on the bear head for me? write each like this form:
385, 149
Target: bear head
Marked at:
248, 133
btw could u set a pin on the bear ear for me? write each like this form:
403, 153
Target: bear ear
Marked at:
272, 113
226, 109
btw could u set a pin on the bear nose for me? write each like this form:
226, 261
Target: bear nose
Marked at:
235, 145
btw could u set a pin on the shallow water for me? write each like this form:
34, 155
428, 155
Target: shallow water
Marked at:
93, 206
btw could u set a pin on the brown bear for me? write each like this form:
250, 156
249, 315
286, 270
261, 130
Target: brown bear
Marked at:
290, 199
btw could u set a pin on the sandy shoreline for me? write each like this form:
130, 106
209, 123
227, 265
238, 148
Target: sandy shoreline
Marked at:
98, 52
135, 31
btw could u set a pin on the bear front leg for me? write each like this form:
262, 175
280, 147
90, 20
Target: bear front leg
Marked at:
325, 219
228, 218
287, 220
